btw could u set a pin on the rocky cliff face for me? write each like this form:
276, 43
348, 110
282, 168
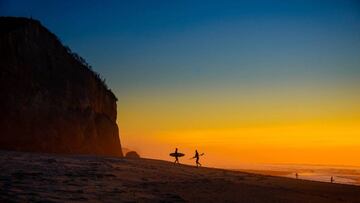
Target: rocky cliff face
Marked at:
50, 99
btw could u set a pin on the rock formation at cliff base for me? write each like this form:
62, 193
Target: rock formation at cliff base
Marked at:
132, 154
50, 99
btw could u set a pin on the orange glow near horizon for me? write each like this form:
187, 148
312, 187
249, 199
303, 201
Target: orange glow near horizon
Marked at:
264, 128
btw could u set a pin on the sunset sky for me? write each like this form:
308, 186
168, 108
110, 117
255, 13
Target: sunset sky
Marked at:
242, 81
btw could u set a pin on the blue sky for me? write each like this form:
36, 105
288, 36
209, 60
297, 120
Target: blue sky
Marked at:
144, 44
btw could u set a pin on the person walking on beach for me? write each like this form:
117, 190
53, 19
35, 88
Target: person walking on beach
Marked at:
197, 157
176, 156
332, 179
297, 175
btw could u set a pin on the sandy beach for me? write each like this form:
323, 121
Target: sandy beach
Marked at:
33, 177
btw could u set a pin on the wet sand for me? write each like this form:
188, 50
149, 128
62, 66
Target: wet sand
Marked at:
33, 177
341, 174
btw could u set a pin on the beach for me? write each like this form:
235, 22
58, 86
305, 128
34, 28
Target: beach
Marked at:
35, 177
341, 174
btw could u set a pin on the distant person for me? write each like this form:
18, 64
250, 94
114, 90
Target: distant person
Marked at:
197, 157
176, 157
332, 179
176, 154
297, 175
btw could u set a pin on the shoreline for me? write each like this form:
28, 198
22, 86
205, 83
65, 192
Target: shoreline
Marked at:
82, 178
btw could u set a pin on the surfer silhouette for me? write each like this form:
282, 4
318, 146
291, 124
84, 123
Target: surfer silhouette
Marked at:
197, 157
176, 154
176, 157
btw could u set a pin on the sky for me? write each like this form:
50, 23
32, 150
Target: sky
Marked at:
242, 81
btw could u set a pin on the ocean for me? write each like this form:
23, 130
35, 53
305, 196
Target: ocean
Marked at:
323, 173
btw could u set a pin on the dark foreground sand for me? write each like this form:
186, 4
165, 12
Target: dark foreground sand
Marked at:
32, 177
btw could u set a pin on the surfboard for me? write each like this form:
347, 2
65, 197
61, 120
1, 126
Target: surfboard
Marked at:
177, 154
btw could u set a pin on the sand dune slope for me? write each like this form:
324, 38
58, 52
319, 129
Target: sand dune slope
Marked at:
32, 177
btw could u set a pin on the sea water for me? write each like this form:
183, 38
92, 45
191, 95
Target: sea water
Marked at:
323, 173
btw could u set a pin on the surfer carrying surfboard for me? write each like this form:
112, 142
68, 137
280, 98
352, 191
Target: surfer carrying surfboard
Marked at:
176, 157
176, 154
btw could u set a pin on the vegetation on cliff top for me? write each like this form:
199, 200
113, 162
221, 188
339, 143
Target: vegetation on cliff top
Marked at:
9, 24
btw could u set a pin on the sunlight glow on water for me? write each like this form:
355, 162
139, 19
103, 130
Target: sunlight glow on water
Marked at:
341, 174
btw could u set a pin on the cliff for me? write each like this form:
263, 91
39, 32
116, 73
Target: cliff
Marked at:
51, 100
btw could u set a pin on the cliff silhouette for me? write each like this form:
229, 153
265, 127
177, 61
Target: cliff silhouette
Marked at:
50, 98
